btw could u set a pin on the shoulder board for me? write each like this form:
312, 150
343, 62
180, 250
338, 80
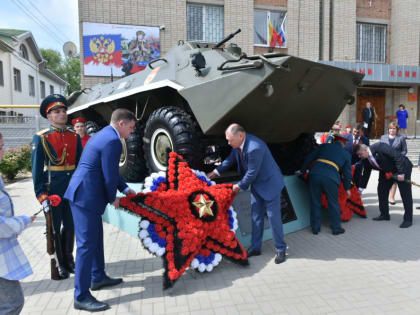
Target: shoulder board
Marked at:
39, 133
70, 130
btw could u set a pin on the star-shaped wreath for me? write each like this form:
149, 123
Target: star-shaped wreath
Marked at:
186, 221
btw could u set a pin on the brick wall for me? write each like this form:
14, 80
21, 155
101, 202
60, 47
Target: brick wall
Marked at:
344, 24
375, 9
405, 32
281, 3
240, 14
135, 12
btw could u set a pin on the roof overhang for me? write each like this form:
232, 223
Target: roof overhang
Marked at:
382, 74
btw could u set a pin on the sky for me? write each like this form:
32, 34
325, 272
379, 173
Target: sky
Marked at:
58, 17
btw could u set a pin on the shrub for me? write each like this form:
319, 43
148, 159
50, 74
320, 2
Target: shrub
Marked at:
14, 161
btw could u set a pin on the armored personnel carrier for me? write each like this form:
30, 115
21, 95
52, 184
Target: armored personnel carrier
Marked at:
185, 100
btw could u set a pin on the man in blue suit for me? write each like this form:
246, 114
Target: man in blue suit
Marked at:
324, 176
259, 171
94, 184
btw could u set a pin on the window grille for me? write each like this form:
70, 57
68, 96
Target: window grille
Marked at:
205, 23
371, 42
23, 52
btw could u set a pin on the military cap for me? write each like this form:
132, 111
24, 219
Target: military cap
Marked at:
78, 120
50, 102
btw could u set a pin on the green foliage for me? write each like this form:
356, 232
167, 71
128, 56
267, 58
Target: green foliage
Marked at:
68, 69
72, 74
14, 161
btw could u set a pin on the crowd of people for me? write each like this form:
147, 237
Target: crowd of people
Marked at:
88, 182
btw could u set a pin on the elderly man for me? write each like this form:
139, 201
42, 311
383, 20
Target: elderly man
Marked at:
259, 171
382, 157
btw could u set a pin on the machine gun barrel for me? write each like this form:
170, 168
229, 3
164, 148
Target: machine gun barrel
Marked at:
229, 37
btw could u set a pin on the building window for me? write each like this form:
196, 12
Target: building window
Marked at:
269, 28
23, 52
371, 42
42, 88
17, 81
31, 85
51, 89
204, 23
1, 74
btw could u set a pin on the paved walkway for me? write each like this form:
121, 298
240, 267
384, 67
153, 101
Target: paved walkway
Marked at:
372, 269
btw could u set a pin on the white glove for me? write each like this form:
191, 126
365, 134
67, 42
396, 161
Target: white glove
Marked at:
45, 206
361, 189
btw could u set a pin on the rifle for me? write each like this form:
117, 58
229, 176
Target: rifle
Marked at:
50, 233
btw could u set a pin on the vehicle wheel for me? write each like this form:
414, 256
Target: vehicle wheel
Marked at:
171, 129
92, 127
132, 164
291, 155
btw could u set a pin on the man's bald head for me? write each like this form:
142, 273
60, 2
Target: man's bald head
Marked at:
235, 135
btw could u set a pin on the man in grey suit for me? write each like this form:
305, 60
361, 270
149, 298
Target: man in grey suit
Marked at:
258, 170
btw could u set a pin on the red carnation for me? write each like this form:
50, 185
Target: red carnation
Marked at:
55, 200
173, 274
388, 175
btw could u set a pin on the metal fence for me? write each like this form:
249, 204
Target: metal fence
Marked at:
18, 130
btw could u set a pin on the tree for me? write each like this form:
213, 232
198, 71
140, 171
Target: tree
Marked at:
67, 69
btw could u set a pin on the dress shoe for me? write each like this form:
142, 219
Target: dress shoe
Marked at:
381, 218
417, 207
253, 252
280, 258
339, 231
63, 273
406, 224
90, 304
106, 282
315, 232
70, 267
392, 202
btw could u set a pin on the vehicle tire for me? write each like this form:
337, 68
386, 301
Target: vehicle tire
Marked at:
171, 129
291, 155
132, 164
92, 127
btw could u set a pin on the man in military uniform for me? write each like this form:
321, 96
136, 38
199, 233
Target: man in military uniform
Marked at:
55, 154
328, 160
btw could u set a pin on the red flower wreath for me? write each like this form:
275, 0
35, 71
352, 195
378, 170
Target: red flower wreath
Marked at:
191, 216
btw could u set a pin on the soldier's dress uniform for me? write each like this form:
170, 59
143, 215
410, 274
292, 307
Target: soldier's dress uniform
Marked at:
60, 150
324, 176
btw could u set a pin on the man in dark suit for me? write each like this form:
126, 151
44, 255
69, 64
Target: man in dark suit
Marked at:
368, 116
94, 184
382, 157
328, 160
353, 139
259, 171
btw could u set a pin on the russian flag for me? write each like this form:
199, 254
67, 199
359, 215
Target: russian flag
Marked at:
274, 37
102, 48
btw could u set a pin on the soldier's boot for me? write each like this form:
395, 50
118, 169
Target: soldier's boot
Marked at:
67, 240
64, 274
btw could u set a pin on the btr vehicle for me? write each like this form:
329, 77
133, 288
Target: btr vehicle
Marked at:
185, 100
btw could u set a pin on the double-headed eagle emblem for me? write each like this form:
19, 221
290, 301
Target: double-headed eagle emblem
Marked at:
102, 48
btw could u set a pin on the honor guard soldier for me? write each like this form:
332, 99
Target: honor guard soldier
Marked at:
55, 154
79, 125
328, 161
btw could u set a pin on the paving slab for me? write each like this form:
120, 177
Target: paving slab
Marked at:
371, 269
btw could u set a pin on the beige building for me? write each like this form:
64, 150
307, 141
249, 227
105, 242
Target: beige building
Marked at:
24, 79
380, 38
